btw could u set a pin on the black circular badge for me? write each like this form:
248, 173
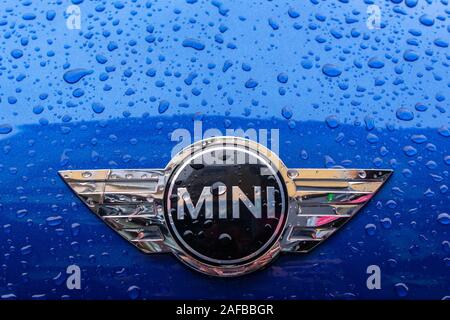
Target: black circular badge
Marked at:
225, 205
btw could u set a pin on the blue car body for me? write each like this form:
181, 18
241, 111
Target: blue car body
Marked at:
342, 91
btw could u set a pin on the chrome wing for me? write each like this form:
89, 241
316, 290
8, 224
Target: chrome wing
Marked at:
322, 200
129, 201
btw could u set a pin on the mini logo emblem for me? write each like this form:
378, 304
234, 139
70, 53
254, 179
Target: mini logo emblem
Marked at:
225, 206
229, 211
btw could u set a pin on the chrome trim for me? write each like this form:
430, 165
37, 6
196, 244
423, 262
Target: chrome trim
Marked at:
320, 201
224, 144
325, 199
129, 201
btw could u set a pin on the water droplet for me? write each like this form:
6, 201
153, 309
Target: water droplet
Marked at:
101, 59
444, 218
97, 107
26, 250
292, 174
371, 229
426, 20
401, 289
386, 223
163, 106
286, 112
441, 43
444, 131
193, 43
421, 107
304, 155
410, 151
54, 221
282, 78
332, 121
86, 174
5, 128
372, 138
75, 75
447, 159
134, 292
419, 138
225, 238
411, 3
376, 63
188, 234
28, 16
331, 70
410, 55
404, 114
251, 83
17, 53
293, 13
306, 64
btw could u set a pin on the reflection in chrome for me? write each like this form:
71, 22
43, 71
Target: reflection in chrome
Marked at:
323, 200
129, 201
320, 201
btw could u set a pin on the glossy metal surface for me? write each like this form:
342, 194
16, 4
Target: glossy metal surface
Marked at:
325, 199
385, 105
131, 202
